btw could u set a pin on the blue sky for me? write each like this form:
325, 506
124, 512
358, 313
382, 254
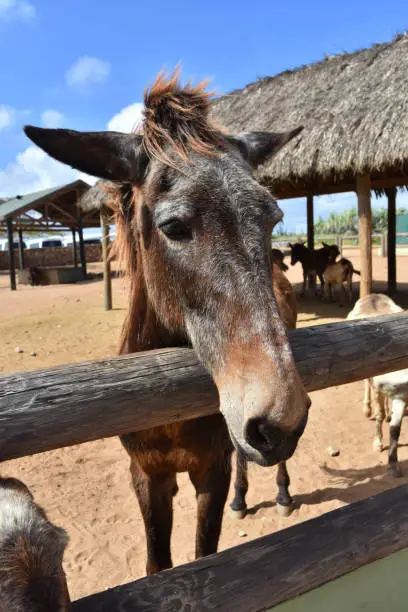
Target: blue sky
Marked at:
84, 63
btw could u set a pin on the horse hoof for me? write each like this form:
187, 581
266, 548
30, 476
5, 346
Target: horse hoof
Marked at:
388, 418
284, 510
378, 446
367, 411
238, 515
395, 471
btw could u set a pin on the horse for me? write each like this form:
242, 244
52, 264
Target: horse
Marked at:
391, 387
193, 231
32, 578
314, 262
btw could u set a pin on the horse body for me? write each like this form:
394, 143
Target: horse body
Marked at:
193, 231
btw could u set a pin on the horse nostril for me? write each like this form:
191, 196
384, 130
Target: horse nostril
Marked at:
261, 435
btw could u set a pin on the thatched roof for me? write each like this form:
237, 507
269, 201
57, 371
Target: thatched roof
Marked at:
355, 111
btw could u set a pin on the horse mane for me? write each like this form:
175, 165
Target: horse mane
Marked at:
176, 118
176, 121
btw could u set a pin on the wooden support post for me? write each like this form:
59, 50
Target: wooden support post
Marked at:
74, 248
82, 256
364, 234
391, 242
21, 248
12, 266
310, 222
107, 277
384, 244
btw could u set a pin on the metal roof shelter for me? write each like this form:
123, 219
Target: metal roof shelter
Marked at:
50, 210
57, 210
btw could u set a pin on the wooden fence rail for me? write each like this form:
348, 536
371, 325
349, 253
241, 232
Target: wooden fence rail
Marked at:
273, 569
48, 409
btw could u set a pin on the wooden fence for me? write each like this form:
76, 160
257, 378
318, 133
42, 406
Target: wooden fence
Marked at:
48, 409
341, 241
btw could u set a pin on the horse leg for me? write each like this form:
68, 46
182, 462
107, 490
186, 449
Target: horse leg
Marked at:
211, 487
155, 494
284, 502
367, 409
388, 408
321, 279
238, 504
398, 410
379, 418
305, 278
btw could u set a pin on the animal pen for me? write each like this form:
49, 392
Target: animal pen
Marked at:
328, 563
355, 113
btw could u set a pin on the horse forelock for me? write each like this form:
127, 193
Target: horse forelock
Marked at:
176, 120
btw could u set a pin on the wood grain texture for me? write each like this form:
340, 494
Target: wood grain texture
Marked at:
107, 276
310, 221
46, 409
364, 234
391, 240
272, 569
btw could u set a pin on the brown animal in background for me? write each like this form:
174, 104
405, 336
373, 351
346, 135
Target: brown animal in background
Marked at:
193, 227
32, 578
338, 273
277, 257
391, 387
314, 262
286, 301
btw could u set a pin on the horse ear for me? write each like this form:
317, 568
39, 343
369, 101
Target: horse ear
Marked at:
290, 245
109, 155
324, 244
257, 147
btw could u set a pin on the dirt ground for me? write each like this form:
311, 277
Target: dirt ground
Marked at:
86, 488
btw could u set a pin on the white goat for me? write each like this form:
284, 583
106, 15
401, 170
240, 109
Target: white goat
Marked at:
386, 387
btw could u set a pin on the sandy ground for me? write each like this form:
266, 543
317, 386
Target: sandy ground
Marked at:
86, 488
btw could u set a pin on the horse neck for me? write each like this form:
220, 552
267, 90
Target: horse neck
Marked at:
142, 329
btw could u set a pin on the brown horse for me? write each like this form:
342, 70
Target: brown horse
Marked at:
193, 227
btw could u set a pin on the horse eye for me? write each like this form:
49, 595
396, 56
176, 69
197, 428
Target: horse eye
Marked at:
174, 229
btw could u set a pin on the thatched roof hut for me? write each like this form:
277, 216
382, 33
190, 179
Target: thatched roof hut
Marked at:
355, 111
354, 108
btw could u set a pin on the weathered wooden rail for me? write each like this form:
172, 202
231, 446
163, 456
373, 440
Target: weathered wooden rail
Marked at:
277, 568
47, 409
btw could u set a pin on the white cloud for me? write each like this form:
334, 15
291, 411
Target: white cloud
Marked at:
87, 71
128, 119
7, 116
17, 9
52, 119
33, 170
